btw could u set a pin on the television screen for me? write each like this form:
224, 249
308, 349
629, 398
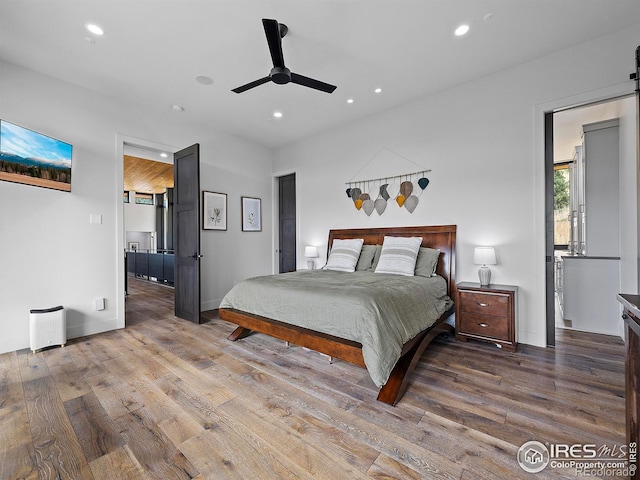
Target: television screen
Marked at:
33, 158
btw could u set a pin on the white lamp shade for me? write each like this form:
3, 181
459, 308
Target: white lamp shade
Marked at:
484, 256
310, 251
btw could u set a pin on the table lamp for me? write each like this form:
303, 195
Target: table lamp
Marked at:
311, 252
484, 256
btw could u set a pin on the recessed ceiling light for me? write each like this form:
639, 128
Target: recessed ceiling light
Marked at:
461, 30
277, 114
378, 90
350, 100
177, 108
95, 29
204, 80
164, 155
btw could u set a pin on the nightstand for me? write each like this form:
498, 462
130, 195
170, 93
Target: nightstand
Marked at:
487, 314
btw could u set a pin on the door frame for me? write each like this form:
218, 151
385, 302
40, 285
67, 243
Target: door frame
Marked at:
543, 281
121, 141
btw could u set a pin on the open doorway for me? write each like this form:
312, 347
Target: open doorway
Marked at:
148, 228
138, 232
592, 212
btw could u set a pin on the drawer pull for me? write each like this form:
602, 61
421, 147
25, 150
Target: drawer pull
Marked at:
483, 324
482, 304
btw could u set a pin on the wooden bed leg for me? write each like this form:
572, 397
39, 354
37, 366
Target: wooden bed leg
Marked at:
239, 333
392, 391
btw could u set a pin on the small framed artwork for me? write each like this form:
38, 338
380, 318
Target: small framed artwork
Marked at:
251, 216
133, 246
214, 211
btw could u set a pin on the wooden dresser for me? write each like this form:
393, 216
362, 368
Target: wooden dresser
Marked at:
487, 314
631, 318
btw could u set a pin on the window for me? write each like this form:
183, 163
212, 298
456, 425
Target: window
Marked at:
144, 198
561, 206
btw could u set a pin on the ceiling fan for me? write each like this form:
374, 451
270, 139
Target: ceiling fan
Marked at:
279, 73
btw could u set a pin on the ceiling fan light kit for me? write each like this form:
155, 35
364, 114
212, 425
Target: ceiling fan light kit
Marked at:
280, 74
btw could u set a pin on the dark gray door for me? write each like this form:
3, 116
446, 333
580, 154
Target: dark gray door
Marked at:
550, 299
186, 221
287, 220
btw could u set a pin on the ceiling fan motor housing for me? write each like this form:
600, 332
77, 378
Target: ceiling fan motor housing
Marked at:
280, 75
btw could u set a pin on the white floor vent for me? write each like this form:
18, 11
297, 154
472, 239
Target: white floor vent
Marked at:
47, 327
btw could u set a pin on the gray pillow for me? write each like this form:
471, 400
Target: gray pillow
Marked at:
366, 257
376, 257
427, 261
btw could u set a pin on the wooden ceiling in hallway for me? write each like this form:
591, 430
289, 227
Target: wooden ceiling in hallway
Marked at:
147, 176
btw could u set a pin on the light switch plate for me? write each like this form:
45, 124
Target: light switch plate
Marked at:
99, 302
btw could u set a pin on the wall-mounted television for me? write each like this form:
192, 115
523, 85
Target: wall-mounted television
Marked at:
33, 158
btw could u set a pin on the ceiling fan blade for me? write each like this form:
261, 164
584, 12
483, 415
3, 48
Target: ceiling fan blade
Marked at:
274, 39
248, 86
310, 82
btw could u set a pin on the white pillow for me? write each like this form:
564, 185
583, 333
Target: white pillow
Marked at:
399, 255
344, 255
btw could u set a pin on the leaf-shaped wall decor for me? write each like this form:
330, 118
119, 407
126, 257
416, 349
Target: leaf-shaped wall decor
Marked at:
380, 204
368, 206
406, 188
411, 203
383, 191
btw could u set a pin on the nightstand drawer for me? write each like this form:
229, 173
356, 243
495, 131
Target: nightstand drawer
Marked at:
484, 303
484, 325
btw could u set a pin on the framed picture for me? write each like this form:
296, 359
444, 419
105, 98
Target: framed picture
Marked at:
133, 246
32, 158
214, 211
251, 216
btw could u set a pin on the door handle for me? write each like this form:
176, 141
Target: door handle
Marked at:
196, 255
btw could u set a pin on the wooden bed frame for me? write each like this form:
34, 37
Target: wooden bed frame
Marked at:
442, 237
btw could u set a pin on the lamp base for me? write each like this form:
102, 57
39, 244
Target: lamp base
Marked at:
311, 264
485, 276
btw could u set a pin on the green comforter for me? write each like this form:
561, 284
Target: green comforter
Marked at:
379, 311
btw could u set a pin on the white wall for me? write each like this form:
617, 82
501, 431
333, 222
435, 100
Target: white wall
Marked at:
629, 254
484, 142
51, 254
234, 255
139, 217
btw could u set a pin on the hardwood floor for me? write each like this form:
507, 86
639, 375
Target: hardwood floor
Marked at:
164, 398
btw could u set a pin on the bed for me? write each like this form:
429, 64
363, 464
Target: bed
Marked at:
287, 321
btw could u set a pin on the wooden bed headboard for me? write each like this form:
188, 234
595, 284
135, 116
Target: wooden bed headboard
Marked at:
442, 237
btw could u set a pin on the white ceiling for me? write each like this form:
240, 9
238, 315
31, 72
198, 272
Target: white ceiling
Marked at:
567, 125
152, 52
